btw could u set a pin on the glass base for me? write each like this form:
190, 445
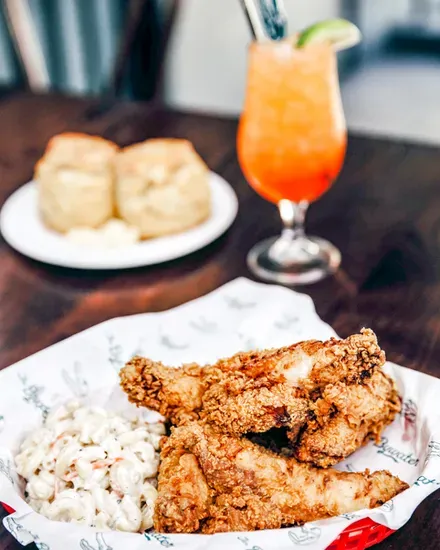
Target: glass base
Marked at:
302, 261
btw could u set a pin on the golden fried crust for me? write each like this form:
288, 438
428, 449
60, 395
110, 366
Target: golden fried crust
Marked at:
366, 401
349, 416
174, 393
255, 410
328, 363
188, 499
256, 391
241, 486
350, 360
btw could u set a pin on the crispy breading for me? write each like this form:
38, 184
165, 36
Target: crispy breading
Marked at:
256, 391
212, 482
359, 412
174, 393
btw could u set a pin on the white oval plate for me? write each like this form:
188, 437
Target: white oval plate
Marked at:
23, 229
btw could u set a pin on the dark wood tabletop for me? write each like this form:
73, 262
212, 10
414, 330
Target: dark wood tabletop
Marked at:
383, 213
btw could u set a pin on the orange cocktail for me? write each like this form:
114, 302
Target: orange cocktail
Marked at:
292, 135
291, 146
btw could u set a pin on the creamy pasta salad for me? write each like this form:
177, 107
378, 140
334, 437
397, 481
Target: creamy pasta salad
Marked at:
89, 466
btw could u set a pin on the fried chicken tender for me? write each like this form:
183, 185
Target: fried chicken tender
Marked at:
174, 393
362, 412
212, 482
253, 392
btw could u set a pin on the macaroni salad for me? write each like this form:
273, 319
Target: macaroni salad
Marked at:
90, 466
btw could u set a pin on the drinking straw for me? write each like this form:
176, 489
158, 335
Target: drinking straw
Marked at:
274, 17
254, 19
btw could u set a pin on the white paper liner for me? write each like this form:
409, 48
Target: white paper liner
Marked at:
239, 316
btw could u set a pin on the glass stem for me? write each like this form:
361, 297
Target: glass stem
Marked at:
292, 215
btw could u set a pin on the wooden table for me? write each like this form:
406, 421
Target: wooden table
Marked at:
383, 213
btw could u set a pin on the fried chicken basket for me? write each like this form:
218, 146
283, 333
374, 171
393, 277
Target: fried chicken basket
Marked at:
241, 315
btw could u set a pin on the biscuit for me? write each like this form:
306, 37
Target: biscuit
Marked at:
75, 179
162, 187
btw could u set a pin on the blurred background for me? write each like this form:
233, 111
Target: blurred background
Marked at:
191, 54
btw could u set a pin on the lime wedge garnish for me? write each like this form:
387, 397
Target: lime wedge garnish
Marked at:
340, 33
